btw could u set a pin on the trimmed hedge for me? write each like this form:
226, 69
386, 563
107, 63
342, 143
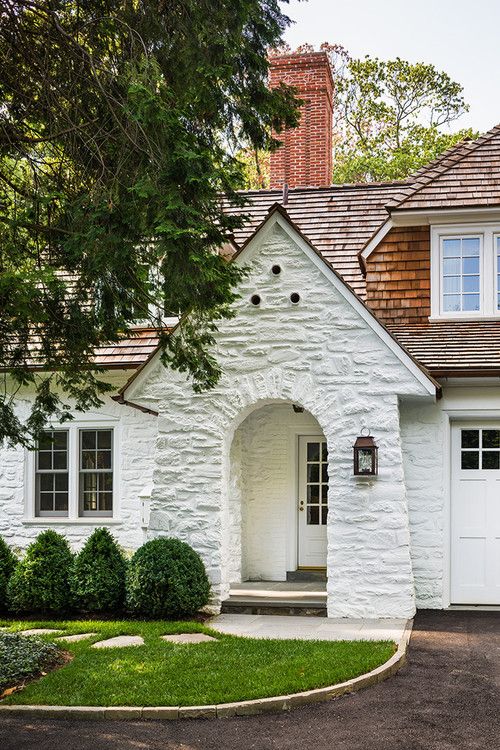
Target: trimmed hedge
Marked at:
7, 564
98, 576
24, 656
166, 578
40, 581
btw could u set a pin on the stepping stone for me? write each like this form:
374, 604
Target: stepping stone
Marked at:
39, 631
75, 638
188, 638
120, 641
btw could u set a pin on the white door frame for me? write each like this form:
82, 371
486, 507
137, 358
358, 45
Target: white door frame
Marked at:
454, 418
301, 443
292, 552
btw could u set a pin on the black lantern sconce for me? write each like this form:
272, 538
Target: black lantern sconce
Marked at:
365, 455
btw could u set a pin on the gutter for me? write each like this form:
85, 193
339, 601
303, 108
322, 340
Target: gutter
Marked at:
121, 400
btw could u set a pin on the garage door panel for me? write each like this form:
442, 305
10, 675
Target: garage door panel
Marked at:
471, 562
475, 514
471, 504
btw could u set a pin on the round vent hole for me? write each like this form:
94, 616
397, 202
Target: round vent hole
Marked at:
276, 270
255, 300
295, 298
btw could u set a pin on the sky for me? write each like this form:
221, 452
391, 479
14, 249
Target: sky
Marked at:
459, 37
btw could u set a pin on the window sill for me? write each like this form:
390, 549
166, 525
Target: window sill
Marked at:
464, 317
90, 521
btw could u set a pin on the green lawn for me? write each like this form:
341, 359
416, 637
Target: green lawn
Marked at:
163, 674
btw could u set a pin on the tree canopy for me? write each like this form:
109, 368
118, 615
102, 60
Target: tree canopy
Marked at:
392, 117
119, 126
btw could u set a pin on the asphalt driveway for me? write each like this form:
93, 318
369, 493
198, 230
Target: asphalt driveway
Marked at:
447, 698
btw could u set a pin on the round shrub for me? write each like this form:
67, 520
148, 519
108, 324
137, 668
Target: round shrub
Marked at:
98, 575
166, 578
7, 565
40, 582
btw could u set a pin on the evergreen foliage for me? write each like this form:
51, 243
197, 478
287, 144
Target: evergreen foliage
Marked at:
40, 581
7, 564
166, 578
98, 575
115, 149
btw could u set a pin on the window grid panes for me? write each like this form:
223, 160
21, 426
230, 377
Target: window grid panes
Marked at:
480, 448
96, 472
316, 483
51, 474
461, 275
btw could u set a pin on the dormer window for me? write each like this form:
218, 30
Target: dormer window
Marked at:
461, 274
465, 271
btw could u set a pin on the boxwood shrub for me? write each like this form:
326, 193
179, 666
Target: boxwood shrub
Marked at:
40, 581
98, 575
23, 656
166, 578
7, 565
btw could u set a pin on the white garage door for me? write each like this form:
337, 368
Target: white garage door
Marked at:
475, 514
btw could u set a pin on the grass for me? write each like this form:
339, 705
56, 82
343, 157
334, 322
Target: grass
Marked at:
164, 674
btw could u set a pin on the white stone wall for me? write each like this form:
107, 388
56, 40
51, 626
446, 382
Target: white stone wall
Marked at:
424, 435
322, 355
137, 437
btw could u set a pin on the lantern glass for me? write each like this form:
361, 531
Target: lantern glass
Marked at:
365, 460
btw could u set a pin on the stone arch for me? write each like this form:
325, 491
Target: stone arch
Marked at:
250, 399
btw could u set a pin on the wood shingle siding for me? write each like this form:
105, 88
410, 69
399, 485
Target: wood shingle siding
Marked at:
398, 276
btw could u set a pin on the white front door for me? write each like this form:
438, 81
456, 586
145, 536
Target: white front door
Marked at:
312, 501
475, 514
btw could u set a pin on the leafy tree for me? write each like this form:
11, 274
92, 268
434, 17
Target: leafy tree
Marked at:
119, 128
392, 117
97, 579
40, 581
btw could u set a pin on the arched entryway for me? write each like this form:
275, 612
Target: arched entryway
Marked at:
278, 494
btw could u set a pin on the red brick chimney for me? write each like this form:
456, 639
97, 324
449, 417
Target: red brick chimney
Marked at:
305, 158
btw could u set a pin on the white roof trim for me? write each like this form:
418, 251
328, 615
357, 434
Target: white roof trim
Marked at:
377, 239
277, 218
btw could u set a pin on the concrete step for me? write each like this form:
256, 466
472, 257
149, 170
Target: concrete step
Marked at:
265, 606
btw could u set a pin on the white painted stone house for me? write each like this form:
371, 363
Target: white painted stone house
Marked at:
366, 307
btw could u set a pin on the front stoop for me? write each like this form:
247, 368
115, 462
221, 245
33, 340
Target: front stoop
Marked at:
253, 606
297, 598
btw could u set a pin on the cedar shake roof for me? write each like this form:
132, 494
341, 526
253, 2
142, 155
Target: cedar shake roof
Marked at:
130, 352
467, 175
337, 220
453, 347
340, 220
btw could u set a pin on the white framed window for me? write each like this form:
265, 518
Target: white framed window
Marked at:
465, 271
72, 474
51, 474
95, 486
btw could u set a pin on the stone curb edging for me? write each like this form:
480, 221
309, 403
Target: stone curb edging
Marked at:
223, 710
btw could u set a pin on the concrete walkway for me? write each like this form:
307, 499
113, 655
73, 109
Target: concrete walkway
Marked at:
309, 628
